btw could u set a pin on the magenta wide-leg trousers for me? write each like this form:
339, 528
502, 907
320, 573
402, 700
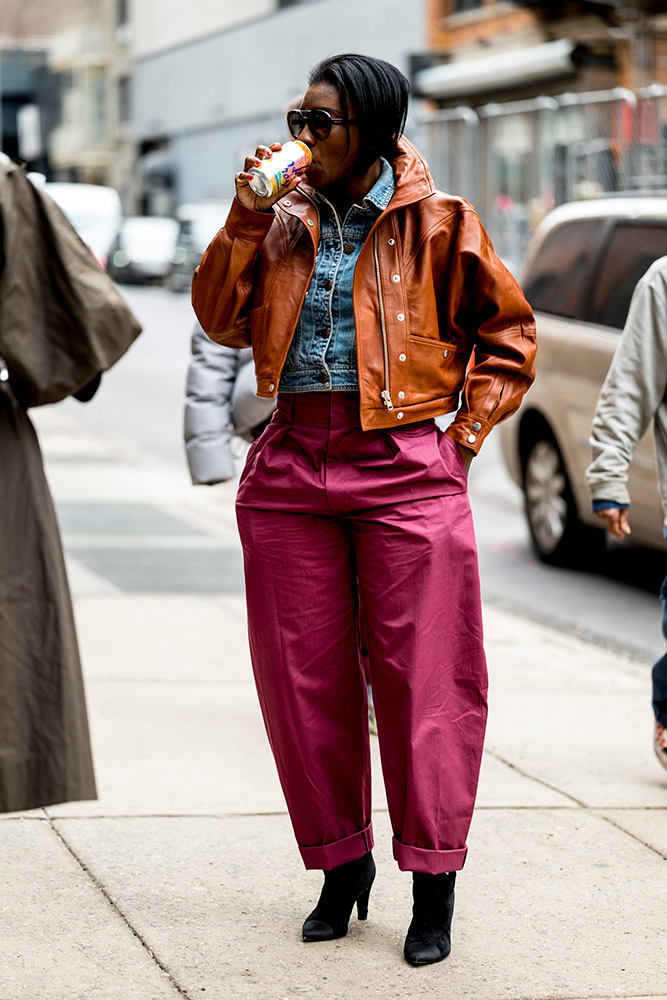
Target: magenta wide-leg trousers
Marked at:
329, 513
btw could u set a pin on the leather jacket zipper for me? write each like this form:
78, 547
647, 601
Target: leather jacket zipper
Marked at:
385, 395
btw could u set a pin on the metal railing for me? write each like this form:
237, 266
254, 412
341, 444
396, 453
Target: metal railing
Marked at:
518, 160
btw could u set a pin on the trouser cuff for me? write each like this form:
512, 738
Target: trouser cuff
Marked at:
418, 859
339, 852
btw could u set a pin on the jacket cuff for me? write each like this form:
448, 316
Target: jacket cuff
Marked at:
469, 430
613, 493
267, 387
246, 224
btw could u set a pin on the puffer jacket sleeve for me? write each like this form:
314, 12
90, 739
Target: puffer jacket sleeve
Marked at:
207, 419
222, 284
488, 308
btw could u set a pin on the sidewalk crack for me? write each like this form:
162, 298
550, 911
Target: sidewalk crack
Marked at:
531, 777
634, 836
117, 909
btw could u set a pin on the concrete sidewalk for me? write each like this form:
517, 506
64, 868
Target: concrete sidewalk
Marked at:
184, 880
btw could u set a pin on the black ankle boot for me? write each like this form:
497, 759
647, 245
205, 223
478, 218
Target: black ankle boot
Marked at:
343, 887
428, 939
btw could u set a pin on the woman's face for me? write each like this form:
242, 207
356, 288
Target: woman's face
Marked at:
333, 159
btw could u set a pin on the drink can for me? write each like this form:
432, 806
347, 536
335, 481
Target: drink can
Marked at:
280, 169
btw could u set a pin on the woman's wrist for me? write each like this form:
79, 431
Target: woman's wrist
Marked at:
466, 454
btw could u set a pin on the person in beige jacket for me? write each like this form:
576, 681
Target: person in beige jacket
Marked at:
633, 394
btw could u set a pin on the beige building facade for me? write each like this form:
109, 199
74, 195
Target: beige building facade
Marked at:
159, 25
93, 141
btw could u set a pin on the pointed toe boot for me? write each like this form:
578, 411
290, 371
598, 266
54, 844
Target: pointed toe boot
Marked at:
343, 887
429, 935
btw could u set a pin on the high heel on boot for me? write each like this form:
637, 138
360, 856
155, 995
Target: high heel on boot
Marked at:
343, 887
429, 934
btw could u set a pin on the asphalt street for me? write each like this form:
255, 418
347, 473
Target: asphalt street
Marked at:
613, 604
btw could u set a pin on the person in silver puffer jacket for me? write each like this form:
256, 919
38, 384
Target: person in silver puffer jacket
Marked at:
221, 403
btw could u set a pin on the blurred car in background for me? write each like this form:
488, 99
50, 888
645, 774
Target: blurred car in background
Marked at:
143, 248
198, 224
580, 271
94, 211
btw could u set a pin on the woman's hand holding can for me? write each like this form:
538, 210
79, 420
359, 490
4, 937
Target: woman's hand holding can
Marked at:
245, 193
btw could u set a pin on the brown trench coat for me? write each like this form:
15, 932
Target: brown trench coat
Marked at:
62, 323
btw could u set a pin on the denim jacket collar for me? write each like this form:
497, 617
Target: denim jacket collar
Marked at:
380, 194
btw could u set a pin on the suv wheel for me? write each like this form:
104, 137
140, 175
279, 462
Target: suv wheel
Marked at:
559, 538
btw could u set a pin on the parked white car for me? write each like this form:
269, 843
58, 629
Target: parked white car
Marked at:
580, 271
143, 249
94, 210
199, 222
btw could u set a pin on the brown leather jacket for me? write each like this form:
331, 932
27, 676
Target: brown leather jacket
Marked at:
428, 291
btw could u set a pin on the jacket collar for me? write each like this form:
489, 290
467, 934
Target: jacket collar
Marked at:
411, 174
411, 177
379, 196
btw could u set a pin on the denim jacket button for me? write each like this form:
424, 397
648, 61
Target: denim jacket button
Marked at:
348, 248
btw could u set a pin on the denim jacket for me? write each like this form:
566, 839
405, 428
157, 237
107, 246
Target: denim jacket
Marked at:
322, 356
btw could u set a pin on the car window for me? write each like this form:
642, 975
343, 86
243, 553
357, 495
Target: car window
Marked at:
558, 279
630, 252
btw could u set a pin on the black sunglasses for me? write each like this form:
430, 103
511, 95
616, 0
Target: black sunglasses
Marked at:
318, 120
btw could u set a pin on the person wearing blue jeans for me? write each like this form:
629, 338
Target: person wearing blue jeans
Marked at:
632, 396
660, 681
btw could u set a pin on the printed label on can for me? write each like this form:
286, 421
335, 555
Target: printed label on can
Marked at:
280, 169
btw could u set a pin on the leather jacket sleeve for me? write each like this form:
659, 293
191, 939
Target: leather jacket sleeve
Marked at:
223, 283
487, 307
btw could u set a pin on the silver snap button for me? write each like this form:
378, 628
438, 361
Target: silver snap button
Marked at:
471, 438
271, 387
310, 222
400, 317
399, 415
288, 203
476, 426
401, 395
402, 357
395, 277
391, 242
446, 354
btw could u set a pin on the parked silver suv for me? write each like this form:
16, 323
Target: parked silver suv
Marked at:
580, 271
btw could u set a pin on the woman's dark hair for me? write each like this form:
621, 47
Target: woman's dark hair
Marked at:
378, 93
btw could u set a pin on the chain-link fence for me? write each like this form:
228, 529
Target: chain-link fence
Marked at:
516, 161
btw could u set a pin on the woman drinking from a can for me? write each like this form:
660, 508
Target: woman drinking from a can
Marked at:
364, 292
